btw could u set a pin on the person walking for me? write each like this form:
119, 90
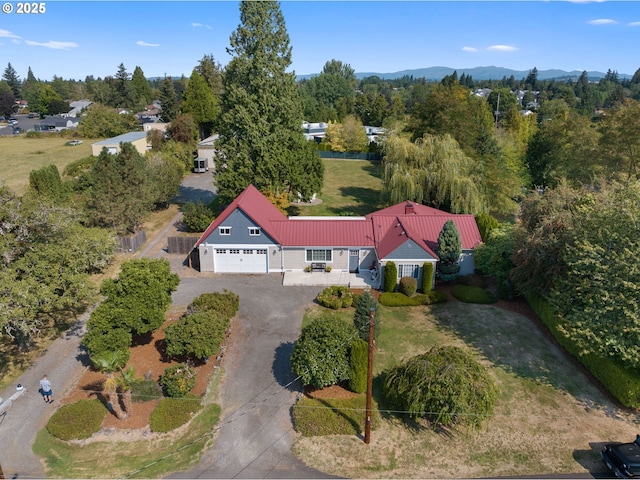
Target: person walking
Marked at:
45, 389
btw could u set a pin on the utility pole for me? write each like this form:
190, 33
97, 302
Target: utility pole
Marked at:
367, 420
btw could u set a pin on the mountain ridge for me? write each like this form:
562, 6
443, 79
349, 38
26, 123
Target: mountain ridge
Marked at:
478, 73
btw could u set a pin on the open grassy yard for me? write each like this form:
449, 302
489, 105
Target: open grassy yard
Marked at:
549, 418
19, 155
351, 187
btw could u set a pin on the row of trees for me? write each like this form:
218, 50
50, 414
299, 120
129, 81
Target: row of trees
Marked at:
577, 247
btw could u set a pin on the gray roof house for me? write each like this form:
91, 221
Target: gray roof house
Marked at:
137, 139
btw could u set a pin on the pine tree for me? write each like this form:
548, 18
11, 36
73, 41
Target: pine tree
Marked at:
200, 103
168, 100
212, 73
12, 78
141, 89
123, 91
260, 124
449, 251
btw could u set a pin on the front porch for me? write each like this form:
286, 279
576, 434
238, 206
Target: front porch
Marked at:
334, 277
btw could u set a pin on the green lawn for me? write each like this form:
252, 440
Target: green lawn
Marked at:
19, 155
548, 418
351, 187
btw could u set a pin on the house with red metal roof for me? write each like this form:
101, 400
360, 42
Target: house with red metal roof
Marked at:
252, 236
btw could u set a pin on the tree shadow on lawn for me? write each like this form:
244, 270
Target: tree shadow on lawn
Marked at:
366, 200
514, 343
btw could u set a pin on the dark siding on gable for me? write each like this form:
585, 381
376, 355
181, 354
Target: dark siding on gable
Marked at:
409, 250
240, 225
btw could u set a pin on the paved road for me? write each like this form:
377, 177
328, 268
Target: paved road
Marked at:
255, 436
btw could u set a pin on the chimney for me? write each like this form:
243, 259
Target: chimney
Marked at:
408, 209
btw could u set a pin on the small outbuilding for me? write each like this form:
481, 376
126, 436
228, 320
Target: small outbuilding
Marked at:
113, 145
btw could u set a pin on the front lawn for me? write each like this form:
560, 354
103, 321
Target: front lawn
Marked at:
549, 418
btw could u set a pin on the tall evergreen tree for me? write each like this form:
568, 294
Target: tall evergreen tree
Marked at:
168, 100
260, 125
12, 78
212, 73
199, 101
123, 92
141, 89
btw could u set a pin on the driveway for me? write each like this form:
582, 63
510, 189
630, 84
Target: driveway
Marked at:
257, 391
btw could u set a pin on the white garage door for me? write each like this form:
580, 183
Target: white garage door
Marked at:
240, 260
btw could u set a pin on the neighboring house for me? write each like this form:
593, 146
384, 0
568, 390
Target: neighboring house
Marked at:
151, 124
77, 107
137, 139
252, 236
56, 124
206, 153
317, 131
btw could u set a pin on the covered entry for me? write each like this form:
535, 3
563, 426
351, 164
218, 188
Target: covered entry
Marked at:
240, 260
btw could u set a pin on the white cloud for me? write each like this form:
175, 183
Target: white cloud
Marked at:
53, 44
145, 44
197, 25
634, 24
602, 21
8, 34
502, 48
469, 49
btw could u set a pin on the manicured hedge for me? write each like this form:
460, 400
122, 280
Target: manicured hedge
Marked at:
622, 382
77, 420
472, 294
335, 297
427, 277
171, 413
397, 299
390, 277
333, 416
408, 286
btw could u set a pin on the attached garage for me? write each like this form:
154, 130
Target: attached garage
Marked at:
240, 260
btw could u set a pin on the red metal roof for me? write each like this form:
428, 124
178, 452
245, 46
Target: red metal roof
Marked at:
385, 229
256, 206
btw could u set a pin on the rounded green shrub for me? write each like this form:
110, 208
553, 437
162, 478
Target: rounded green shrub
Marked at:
199, 335
408, 286
77, 420
446, 385
335, 297
225, 304
436, 296
178, 380
171, 413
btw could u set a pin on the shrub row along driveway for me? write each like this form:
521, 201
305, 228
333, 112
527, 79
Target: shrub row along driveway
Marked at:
258, 389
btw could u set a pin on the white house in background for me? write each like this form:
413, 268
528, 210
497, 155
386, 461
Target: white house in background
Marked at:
206, 153
252, 236
77, 107
113, 145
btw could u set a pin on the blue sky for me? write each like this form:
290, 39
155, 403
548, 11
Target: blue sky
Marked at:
73, 39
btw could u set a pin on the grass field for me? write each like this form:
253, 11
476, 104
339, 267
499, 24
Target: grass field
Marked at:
19, 155
351, 187
549, 418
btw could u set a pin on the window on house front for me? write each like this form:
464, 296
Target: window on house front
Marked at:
409, 271
234, 251
224, 230
319, 255
254, 232
221, 251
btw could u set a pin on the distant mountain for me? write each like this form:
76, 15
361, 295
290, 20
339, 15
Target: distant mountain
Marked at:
480, 73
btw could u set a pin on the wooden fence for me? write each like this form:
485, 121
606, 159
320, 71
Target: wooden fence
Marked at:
181, 244
132, 243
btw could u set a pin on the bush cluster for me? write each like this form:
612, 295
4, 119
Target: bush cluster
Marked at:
178, 380
333, 416
472, 294
408, 286
335, 297
202, 332
197, 216
77, 420
398, 299
171, 413
623, 383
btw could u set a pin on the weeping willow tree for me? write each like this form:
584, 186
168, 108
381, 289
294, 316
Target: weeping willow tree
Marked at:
434, 171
